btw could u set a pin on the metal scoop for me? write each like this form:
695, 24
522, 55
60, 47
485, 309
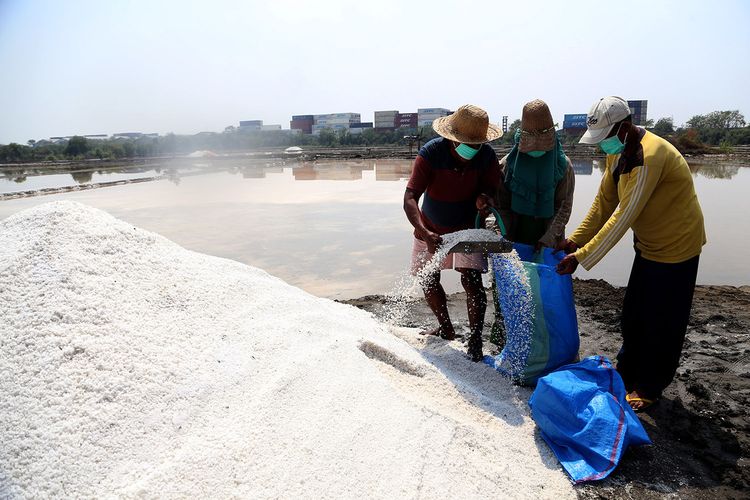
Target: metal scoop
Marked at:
485, 247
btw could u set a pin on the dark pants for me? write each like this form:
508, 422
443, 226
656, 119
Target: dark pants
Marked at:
655, 316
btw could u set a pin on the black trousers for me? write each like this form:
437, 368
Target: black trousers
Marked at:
655, 316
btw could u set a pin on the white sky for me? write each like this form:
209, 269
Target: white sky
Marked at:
87, 67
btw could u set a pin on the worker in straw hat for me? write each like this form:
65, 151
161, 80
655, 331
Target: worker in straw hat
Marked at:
647, 187
456, 174
536, 196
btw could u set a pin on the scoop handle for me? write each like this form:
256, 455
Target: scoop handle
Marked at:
478, 221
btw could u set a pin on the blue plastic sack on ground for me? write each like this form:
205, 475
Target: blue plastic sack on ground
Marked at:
539, 314
583, 416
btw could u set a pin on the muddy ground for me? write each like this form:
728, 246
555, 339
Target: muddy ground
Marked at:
700, 428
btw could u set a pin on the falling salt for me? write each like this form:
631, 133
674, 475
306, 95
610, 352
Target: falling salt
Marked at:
517, 306
408, 287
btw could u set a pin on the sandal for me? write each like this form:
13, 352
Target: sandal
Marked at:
645, 402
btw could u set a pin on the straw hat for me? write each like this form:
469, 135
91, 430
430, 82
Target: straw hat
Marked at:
468, 125
537, 127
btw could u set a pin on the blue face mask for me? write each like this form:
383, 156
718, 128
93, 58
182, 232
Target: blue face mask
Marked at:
536, 154
613, 145
466, 152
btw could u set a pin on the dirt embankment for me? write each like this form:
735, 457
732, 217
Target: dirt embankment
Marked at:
701, 427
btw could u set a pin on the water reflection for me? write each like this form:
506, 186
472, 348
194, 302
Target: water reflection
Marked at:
173, 176
253, 172
392, 170
332, 171
14, 175
359, 233
582, 167
82, 177
714, 171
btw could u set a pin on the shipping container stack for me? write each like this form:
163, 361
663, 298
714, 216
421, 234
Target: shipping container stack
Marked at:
425, 116
303, 123
358, 128
574, 124
407, 120
385, 120
334, 121
251, 125
638, 109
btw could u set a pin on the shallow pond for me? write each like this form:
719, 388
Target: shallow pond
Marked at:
337, 228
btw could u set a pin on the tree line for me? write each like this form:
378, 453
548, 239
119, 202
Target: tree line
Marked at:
718, 128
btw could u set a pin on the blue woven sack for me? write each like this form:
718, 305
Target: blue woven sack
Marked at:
584, 418
540, 317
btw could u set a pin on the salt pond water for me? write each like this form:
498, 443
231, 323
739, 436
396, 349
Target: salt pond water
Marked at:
337, 229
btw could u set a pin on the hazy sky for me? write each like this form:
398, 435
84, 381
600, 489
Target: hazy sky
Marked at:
87, 67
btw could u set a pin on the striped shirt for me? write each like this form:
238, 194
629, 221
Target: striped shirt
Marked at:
648, 188
450, 186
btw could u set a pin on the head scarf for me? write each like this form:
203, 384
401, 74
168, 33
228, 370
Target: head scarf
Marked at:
532, 181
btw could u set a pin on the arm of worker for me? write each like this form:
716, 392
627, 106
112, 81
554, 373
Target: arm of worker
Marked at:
488, 183
640, 184
418, 182
503, 199
563, 206
602, 208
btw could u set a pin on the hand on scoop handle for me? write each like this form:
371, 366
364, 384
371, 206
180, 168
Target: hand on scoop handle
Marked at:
567, 265
484, 203
567, 246
433, 240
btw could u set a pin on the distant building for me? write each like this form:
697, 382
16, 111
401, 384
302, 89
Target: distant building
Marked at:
128, 135
385, 119
302, 123
267, 128
638, 110
574, 124
358, 128
334, 121
391, 120
251, 125
407, 120
96, 137
425, 116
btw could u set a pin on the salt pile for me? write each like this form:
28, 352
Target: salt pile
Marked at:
131, 367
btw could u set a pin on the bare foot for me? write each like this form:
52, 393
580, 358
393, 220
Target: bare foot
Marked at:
475, 347
440, 332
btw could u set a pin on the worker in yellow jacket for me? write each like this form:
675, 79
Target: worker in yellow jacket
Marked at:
647, 186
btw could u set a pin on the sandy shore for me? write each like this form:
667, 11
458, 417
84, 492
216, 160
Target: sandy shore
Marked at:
701, 428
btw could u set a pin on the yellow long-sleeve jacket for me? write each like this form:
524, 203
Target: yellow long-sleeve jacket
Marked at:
648, 187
